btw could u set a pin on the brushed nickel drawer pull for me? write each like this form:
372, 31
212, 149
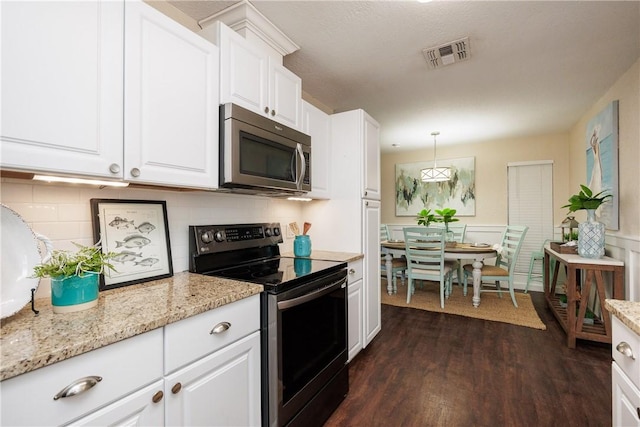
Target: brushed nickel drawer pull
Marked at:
220, 328
176, 388
157, 397
78, 386
625, 349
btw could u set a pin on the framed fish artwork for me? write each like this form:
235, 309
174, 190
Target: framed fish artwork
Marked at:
137, 232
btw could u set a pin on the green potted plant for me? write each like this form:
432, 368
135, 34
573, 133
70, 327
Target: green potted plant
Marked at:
75, 276
446, 215
590, 233
426, 217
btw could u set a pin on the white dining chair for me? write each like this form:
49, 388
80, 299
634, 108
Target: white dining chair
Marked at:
425, 259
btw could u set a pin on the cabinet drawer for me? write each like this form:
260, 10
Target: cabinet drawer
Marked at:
124, 366
625, 340
355, 271
193, 338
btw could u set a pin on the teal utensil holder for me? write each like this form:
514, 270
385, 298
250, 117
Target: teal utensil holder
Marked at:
302, 246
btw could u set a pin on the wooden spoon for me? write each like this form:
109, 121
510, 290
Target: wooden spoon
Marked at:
306, 227
294, 228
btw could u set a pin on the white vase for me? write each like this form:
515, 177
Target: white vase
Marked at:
591, 237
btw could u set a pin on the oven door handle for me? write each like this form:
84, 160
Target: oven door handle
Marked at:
283, 305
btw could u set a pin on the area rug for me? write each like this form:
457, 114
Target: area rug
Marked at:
492, 307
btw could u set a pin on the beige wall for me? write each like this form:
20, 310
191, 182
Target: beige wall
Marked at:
627, 91
491, 173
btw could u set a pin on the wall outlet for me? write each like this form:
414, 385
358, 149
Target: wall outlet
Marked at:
290, 234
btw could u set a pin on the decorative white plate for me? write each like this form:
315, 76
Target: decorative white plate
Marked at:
20, 253
480, 245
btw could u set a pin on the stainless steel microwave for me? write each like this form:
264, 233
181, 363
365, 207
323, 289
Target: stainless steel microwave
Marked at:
261, 156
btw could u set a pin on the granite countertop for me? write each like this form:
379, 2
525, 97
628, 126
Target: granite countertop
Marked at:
329, 256
28, 342
627, 311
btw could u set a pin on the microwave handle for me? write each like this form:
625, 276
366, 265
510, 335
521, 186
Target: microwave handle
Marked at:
303, 169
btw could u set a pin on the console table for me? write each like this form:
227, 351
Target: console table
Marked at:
582, 275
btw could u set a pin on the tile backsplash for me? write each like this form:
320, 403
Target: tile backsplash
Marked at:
63, 213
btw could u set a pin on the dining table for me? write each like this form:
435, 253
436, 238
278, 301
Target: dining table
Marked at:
471, 251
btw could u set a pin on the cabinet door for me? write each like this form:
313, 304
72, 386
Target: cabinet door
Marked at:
625, 399
62, 87
371, 285
285, 95
222, 389
243, 71
318, 124
171, 102
355, 305
142, 408
371, 158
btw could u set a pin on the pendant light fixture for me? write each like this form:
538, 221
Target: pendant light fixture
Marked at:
435, 174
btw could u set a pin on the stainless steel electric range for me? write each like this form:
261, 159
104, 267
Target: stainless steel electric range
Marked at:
303, 318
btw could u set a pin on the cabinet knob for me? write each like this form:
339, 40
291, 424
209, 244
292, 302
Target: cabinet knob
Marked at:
273, 113
135, 172
157, 397
78, 386
266, 110
114, 168
366, 192
625, 349
352, 271
220, 328
176, 388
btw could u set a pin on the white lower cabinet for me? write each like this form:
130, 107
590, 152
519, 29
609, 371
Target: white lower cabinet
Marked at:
355, 299
203, 370
222, 389
123, 368
625, 375
371, 288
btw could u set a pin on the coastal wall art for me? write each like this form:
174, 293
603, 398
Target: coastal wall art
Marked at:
602, 161
413, 195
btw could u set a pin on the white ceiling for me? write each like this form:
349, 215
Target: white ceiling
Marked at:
535, 67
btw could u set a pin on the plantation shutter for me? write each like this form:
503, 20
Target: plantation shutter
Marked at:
531, 204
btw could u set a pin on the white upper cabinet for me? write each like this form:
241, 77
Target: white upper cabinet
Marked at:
62, 87
252, 79
371, 158
317, 124
171, 102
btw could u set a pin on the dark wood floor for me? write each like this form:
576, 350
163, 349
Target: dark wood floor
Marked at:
433, 369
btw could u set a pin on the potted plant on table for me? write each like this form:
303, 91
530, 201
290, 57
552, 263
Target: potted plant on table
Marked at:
590, 233
426, 217
446, 215
75, 276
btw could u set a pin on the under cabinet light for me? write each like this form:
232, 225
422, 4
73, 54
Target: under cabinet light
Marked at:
300, 199
68, 180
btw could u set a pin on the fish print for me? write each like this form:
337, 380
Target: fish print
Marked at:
120, 223
135, 241
147, 262
146, 227
125, 256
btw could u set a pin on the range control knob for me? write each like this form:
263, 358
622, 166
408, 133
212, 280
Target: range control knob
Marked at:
267, 232
207, 237
276, 231
218, 236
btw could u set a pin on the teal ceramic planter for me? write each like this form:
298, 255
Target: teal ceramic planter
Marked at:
74, 293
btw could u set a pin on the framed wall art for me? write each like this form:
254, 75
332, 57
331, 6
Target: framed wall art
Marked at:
602, 161
413, 195
137, 232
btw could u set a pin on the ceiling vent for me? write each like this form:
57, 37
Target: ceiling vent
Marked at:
448, 53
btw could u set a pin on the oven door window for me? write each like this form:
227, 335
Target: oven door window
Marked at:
313, 334
267, 159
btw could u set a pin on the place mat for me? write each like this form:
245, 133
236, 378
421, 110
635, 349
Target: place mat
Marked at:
492, 307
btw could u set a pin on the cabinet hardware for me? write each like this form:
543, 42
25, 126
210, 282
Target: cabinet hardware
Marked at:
220, 328
625, 349
638, 411
273, 113
176, 388
266, 110
352, 271
135, 172
157, 397
78, 386
114, 168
